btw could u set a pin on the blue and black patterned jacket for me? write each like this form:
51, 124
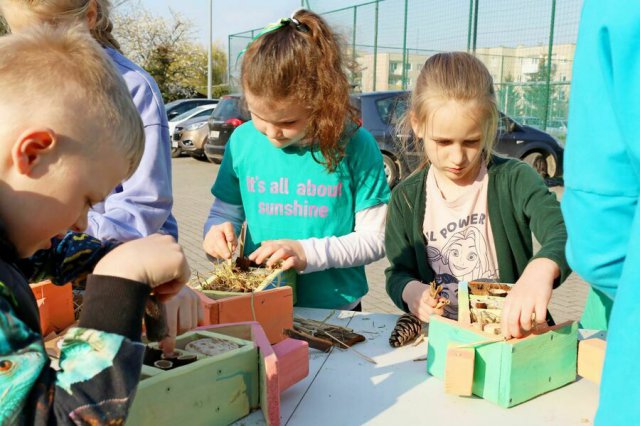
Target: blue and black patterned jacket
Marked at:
100, 358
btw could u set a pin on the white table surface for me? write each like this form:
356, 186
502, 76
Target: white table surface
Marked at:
344, 389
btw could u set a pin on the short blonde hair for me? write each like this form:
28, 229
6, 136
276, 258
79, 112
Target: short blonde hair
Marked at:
45, 68
455, 76
73, 11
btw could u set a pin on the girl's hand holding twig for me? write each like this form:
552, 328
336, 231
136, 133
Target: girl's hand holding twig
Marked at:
526, 304
421, 304
220, 241
290, 252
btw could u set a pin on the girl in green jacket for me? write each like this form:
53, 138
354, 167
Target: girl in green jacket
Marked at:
467, 214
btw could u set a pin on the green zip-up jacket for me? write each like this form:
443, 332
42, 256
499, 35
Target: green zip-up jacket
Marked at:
519, 203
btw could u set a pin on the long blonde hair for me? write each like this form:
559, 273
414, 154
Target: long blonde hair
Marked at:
74, 10
455, 76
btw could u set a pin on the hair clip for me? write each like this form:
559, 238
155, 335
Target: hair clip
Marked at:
299, 25
276, 26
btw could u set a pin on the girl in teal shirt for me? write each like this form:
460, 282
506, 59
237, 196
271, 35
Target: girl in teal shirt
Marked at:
309, 182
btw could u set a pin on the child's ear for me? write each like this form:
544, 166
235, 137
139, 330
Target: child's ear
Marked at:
92, 14
415, 125
30, 147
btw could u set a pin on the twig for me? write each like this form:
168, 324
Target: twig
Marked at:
243, 235
419, 340
230, 260
366, 358
422, 358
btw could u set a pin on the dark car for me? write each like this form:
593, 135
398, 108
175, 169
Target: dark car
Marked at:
228, 115
180, 106
381, 110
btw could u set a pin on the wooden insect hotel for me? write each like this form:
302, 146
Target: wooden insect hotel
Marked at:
55, 304
217, 376
472, 357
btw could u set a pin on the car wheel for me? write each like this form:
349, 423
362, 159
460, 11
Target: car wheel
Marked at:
543, 162
175, 152
391, 169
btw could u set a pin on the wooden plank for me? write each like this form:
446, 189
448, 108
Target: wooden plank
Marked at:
458, 374
464, 315
213, 390
591, 358
543, 362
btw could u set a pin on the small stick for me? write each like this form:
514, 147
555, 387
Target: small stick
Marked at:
230, 260
422, 358
419, 340
366, 358
243, 235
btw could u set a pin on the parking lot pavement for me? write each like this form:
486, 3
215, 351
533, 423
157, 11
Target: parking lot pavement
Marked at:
192, 180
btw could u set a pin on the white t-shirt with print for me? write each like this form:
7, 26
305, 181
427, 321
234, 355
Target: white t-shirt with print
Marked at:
458, 234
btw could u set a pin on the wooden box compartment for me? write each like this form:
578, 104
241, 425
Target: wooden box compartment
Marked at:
218, 389
273, 309
55, 304
508, 372
276, 279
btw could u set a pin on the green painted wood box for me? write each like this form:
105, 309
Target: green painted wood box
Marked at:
217, 389
513, 371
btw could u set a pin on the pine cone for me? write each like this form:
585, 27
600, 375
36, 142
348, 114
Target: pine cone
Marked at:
407, 329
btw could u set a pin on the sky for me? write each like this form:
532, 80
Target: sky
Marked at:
441, 24
236, 16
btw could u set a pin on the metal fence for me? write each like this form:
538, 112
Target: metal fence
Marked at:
391, 39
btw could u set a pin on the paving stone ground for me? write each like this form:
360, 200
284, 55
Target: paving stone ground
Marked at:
192, 180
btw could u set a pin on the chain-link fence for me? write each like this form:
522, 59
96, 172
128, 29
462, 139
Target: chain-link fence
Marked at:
391, 39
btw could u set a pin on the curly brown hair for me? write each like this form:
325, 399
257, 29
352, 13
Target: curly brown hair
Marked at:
303, 61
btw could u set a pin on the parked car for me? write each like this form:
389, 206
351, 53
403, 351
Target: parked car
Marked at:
180, 106
190, 136
228, 115
558, 129
380, 111
201, 112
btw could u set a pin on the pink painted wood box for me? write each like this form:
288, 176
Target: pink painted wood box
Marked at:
273, 309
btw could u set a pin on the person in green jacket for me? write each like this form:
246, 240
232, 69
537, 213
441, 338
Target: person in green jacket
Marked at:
468, 214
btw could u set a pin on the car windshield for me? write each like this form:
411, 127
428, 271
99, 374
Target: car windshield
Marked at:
192, 113
228, 108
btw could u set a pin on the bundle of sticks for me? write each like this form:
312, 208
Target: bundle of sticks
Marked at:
323, 336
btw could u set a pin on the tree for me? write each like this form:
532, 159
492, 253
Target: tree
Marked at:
536, 93
164, 48
509, 98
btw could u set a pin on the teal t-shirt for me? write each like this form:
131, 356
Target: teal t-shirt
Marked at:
287, 194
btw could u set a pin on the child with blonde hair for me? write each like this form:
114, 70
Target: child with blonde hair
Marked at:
61, 154
464, 190
141, 204
309, 181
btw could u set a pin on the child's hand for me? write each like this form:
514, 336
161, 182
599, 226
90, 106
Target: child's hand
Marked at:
156, 260
289, 251
219, 239
184, 312
416, 295
530, 295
